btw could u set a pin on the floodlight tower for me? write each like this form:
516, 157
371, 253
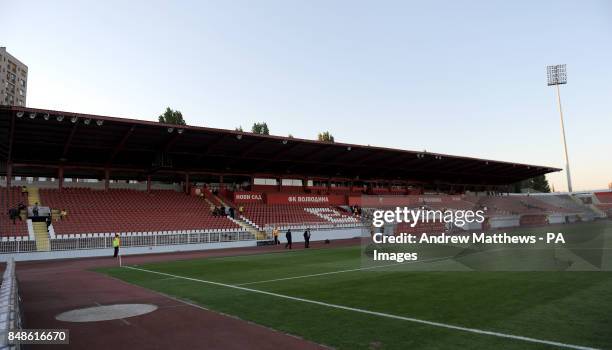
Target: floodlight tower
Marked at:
557, 75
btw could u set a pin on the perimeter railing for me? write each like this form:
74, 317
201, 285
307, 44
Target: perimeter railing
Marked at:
130, 239
313, 226
10, 311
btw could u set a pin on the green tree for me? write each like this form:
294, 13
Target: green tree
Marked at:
260, 128
239, 128
538, 183
172, 117
325, 137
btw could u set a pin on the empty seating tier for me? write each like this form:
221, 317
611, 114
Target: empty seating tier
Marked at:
604, 197
332, 215
95, 211
262, 215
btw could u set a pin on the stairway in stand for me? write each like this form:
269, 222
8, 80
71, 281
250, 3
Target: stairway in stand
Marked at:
41, 233
259, 235
211, 205
218, 199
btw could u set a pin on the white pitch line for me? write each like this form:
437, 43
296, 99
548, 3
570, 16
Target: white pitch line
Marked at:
356, 269
339, 271
375, 313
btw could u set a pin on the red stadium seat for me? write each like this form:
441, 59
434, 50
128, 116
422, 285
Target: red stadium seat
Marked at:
96, 211
10, 198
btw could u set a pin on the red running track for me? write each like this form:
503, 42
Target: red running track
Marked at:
49, 288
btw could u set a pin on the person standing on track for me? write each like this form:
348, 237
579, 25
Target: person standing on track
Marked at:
275, 234
288, 236
116, 244
307, 238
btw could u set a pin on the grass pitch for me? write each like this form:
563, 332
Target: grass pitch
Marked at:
571, 308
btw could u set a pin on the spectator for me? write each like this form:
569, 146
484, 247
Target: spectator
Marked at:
307, 238
21, 207
275, 234
24, 190
35, 209
288, 236
116, 244
63, 214
13, 214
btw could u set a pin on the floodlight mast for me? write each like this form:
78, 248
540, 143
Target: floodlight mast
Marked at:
557, 75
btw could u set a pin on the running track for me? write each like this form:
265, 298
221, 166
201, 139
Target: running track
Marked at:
48, 288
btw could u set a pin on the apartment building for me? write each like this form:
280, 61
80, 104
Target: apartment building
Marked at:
13, 80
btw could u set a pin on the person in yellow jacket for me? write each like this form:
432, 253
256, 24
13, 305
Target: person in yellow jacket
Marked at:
116, 244
275, 234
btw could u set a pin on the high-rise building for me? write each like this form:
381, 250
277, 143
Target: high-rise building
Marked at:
13, 80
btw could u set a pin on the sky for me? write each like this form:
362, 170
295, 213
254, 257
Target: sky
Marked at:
457, 77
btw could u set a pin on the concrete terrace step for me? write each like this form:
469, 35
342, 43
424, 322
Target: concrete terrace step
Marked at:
259, 235
41, 236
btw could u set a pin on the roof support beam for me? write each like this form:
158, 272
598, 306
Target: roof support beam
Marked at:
402, 161
278, 156
285, 150
9, 156
207, 150
9, 175
248, 149
120, 145
374, 156
323, 149
69, 140
170, 142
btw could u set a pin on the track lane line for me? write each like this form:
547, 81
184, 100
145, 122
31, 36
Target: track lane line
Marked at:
375, 313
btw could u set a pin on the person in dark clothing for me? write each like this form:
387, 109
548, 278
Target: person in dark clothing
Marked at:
307, 238
288, 236
13, 214
35, 209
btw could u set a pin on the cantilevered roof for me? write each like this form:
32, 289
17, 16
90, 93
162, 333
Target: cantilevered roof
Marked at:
38, 141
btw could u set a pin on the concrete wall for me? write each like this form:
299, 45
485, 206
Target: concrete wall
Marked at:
504, 221
297, 236
316, 235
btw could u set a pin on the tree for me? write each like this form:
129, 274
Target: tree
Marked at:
538, 183
325, 137
290, 136
172, 117
239, 128
260, 128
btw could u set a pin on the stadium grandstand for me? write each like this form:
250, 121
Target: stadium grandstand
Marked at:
72, 181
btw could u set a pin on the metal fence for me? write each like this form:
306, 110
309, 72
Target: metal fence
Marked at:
140, 239
10, 311
16, 246
312, 225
